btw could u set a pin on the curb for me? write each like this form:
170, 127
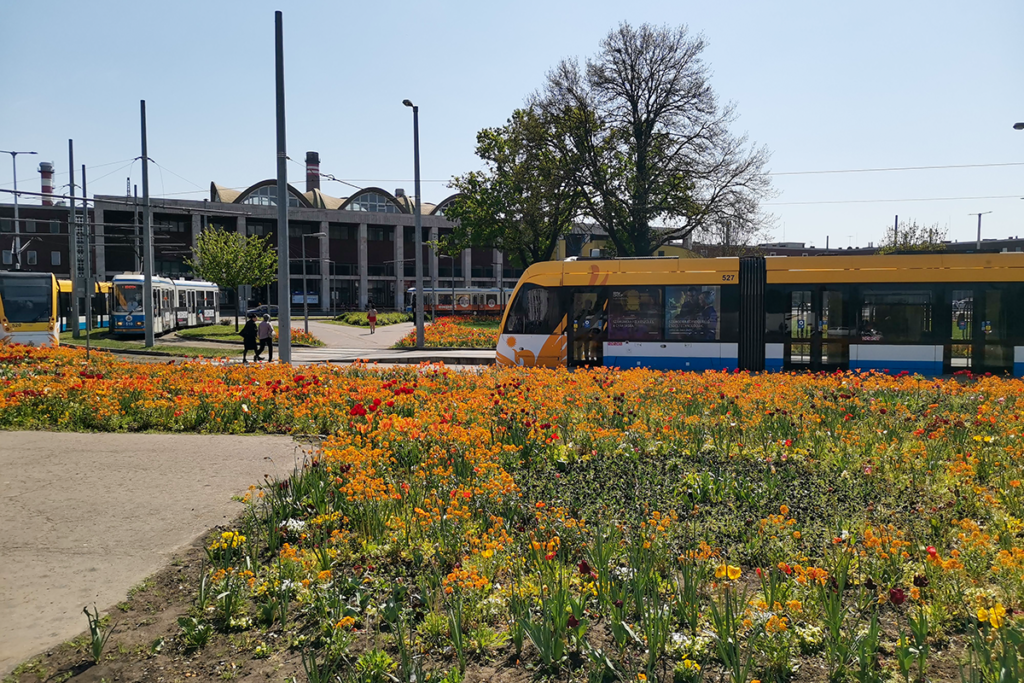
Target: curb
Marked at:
412, 361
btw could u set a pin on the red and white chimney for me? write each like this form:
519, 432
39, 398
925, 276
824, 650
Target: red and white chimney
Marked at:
46, 174
312, 171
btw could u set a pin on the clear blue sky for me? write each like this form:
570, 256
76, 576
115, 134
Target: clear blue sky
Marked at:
826, 86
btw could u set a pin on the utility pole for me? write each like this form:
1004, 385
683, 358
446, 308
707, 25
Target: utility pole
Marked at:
284, 313
17, 221
135, 231
76, 285
147, 238
89, 289
896, 231
979, 215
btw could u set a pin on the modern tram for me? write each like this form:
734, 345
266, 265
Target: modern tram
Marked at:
466, 299
28, 309
924, 313
101, 304
176, 304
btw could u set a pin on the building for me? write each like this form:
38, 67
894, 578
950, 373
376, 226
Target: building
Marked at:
367, 253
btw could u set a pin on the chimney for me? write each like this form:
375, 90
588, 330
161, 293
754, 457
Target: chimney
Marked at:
46, 171
312, 171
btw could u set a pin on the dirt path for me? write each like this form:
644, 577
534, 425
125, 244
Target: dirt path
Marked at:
84, 517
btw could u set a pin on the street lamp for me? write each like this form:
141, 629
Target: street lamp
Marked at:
1019, 125
305, 292
17, 223
418, 221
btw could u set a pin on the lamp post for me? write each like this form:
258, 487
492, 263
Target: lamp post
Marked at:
418, 221
1019, 125
17, 223
305, 293
979, 215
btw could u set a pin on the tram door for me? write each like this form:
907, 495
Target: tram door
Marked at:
992, 352
961, 331
588, 328
817, 336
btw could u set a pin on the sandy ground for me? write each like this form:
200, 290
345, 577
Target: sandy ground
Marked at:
84, 517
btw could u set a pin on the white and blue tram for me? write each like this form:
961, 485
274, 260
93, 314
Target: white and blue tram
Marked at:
176, 304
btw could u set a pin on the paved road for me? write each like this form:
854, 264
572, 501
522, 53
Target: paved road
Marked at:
84, 517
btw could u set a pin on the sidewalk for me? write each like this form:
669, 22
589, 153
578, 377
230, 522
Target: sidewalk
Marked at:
84, 517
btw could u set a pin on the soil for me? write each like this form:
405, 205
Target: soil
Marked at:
145, 644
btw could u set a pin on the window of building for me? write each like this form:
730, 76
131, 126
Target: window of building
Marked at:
31, 258
6, 225
30, 226
379, 234
7, 258
374, 202
54, 227
267, 196
342, 232
54, 258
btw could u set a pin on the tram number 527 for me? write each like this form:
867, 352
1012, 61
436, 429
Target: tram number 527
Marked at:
728, 278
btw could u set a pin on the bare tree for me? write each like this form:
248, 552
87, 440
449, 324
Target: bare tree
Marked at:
649, 144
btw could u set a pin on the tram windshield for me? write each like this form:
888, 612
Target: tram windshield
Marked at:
127, 298
27, 299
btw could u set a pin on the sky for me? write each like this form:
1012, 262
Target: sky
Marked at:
825, 86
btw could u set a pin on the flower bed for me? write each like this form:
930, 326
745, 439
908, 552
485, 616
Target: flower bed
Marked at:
465, 333
595, 525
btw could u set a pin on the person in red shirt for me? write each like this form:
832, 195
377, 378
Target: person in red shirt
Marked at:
371, 317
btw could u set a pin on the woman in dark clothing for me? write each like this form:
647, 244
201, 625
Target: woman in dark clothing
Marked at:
248, 334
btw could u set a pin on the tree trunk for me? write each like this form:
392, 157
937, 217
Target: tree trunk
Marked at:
238, 303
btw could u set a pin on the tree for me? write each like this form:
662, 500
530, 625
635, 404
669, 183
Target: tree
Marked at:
909, 236
230, 260
523, 201
649, 145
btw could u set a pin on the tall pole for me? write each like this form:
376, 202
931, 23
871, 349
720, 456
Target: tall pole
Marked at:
147, 238
284, 316
17, 223
305, 307
979, 215
418, 221
88, 269
73, 243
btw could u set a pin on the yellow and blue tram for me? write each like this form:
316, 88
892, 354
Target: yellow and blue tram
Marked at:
28, 309
927, 313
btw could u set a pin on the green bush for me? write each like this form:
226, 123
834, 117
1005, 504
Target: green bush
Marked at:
358, 318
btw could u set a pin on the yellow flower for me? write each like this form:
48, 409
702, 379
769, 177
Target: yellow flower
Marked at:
982, 614
641, 677
733, 572
794, 606
720, 572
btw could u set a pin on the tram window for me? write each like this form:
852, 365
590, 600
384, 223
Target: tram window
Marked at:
635, 313
127, 298
182, 299
895, 316
534, 311
692, 313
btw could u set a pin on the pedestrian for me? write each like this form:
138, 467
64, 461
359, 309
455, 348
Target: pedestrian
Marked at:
248, 335
371, 317
266, 336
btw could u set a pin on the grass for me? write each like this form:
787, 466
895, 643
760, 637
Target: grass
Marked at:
212, 332
101, 339
358, 319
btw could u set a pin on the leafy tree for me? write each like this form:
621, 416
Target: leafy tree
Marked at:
230, 260
523, 201
909, 236
648, 143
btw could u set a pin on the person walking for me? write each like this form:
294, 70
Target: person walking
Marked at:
248, 335
266, 336
371, 317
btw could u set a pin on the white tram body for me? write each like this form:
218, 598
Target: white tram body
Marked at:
176, 304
